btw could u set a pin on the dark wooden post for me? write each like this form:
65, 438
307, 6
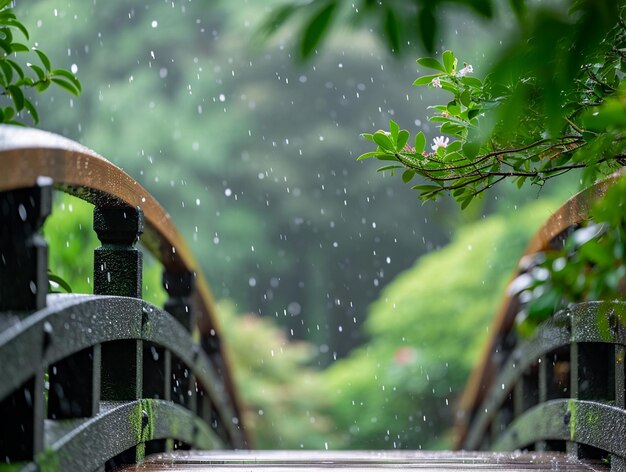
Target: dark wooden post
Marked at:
117, 263
23, 288
179, 287
118, 271
23, 251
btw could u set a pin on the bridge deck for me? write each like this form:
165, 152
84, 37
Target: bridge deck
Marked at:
196, 461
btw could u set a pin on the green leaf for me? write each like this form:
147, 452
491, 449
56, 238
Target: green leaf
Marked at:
15, 24
275, 20
17, 96
41, 75
384, 168
470, 150
316, 28
32, 110
68, 86
369, 136
44, 59
420, 142
4, 3
69, 76
367, 155
466, 201
426, 79
473, 113
431, 63
426, 188
403, 137
7, 71
471, 81
452, 128
408, 175
8, 113
60, 282
19, 47
392, 29
383, 141
454, 146
454, 108
6, 46
427, 26
393, 130
42, 86
519, 8
466, 98
16, 67
449, 61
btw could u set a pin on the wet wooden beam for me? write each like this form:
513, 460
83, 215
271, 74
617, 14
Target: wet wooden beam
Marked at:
361, 461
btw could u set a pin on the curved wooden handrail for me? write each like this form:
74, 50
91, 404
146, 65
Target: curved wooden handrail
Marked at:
28, 154
573, 212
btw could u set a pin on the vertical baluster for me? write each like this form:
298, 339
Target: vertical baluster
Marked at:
24, 276
179, 287
118, 271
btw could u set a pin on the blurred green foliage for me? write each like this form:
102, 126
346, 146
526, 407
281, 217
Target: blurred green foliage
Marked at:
287, 403
71, 241
403, 25
400, 389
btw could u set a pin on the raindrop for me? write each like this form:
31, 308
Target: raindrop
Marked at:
22, 211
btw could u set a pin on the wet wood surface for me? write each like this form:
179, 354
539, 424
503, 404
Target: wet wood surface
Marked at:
196, 461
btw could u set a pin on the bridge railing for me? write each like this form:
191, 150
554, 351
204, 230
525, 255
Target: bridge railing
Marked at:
564, 388
89, 382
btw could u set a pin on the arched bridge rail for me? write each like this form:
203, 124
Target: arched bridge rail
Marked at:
90, 382
563, 389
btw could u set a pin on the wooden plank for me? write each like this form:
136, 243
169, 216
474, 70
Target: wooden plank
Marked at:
196, 461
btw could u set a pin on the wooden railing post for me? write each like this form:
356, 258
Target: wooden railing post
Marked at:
117, 263
118, 271
179, 287
23, 288
23, 251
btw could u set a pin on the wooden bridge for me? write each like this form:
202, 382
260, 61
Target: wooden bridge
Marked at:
97, 382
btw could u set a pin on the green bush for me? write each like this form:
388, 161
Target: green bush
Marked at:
287, 404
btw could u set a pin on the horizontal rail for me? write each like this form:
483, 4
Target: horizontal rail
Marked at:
74, 327
579, 324
119, 427
68, 325
580, 421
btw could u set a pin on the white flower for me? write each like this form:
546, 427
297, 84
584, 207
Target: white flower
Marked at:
438, 142
468, 69
436, 82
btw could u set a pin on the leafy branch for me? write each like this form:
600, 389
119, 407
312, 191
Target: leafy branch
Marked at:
23, 68
477, 148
